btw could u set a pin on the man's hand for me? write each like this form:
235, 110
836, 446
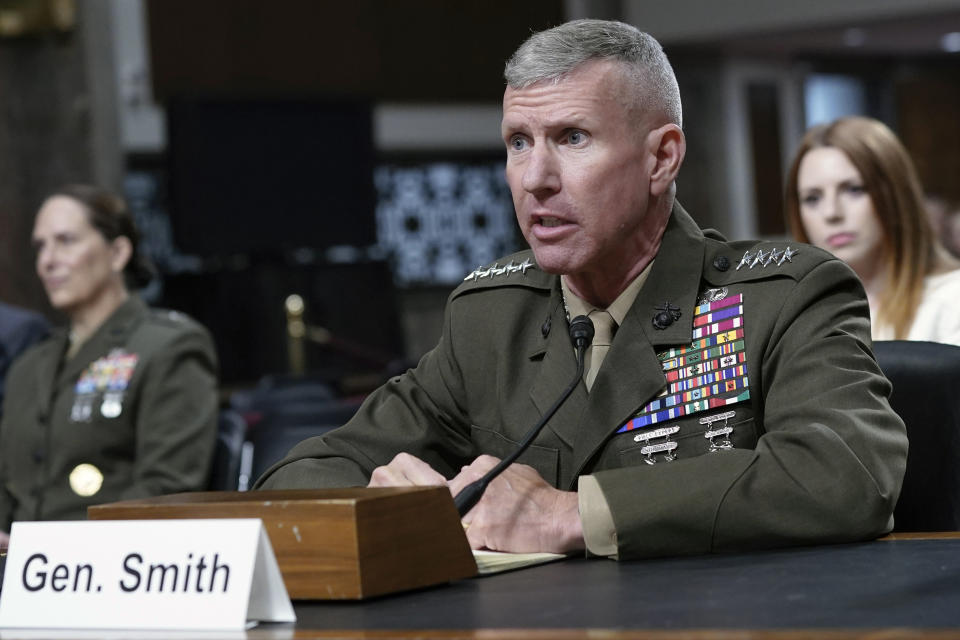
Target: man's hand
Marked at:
519, 511
406, 470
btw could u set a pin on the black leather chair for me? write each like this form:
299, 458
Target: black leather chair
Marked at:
281, 411
926, 394
279, 428
281, 389
231, 432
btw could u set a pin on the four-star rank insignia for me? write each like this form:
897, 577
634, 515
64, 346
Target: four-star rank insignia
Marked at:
762, 258
496, 270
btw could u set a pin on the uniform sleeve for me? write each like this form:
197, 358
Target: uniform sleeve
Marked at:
828, 468
420, 412
176, 424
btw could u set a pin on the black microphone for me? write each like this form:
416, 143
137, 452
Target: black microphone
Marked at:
581, 333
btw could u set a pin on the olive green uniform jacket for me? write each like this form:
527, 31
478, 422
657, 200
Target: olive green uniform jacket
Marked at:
57, 416
818, 453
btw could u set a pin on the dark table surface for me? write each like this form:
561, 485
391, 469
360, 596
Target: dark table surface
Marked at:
881, 584
903, 588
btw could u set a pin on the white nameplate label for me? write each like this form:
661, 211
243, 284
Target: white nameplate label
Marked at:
142, 574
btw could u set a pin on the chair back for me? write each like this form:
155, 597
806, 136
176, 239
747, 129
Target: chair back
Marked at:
279, 429
926, 395
231, 432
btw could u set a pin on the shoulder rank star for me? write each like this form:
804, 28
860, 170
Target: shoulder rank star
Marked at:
759, 258
497, 270
774, 256
787, 255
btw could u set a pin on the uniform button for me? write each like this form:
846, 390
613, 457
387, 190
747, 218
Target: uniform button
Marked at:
721, 263
38, 455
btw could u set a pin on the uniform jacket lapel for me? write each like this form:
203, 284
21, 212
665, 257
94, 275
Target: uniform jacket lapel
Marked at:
631, 374
556, 372
46, 370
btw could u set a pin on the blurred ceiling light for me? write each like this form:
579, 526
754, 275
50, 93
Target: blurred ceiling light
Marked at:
950, 42
854, 37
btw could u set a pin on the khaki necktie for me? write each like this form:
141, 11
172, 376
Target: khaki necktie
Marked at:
603, 327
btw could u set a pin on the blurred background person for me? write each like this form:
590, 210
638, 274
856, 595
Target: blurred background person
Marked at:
120, 404
945, 219
853, 191
19, 329
950, 231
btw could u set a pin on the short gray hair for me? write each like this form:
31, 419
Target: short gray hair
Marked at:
552, 54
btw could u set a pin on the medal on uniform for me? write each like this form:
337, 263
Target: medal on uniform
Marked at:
83, 393
112, 404
723, 432
120, 367
82, 407
85, 480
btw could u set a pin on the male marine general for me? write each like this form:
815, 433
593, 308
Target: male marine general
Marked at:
738, 405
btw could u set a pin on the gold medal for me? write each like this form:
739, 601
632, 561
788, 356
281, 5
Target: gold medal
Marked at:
85, 480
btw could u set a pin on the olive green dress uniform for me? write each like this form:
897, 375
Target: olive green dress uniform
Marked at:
817, 453
135, 408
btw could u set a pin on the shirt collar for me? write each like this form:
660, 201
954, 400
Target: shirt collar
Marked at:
618, 309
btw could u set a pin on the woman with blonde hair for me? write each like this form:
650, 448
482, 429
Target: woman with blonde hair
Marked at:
853, 191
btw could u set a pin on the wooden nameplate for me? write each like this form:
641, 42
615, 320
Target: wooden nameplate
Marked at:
335, 544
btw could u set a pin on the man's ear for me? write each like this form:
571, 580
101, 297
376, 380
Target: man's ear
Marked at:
669, 146
121, 249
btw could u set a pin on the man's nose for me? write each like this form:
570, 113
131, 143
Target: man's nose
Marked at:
541, 173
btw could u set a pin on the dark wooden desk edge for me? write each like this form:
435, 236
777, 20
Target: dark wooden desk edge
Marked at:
619, 634
922, 535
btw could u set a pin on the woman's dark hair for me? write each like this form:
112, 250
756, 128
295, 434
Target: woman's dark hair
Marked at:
108, 214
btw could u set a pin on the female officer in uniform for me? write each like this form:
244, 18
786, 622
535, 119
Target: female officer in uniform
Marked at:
853, 190
122, 403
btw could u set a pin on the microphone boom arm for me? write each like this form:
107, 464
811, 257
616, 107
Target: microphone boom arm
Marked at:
581, 332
